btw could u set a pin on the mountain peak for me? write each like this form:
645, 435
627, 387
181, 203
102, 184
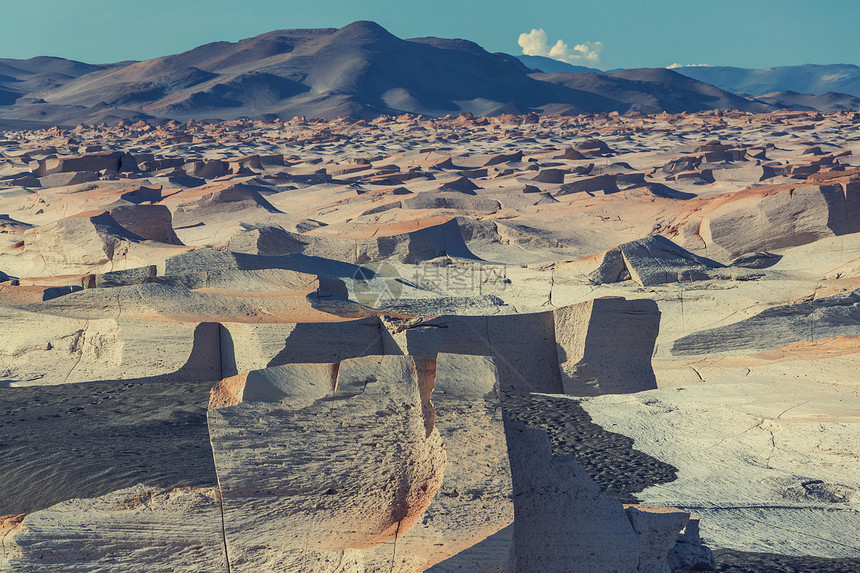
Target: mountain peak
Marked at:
363, 70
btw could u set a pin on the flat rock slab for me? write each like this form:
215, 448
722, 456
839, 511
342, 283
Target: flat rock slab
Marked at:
607, 457
731, 561
809, 320
127, 531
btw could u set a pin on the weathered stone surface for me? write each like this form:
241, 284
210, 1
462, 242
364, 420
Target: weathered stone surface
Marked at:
603, 184
136, 276
689, 554
475, 500
39, 349
605, 346
90, 162
126, 531
152, 222
779, 217
563, 521
370, 425
292, 218
809, 320
247, 347
653, 261
347, 460
523, 345
657, 528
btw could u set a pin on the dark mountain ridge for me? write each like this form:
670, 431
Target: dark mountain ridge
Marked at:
360, 70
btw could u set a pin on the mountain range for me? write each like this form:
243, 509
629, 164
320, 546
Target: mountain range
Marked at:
360, 70
808, 87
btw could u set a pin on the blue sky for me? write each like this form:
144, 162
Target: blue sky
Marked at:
598, 33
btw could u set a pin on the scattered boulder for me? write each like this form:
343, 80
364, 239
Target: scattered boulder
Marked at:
92, 162
461, 185
593, 148
756, 260
150, 222
550, 176
67, 178
652, 261
603, 184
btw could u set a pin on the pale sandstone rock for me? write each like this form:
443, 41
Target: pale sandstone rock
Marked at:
90, 162
126, 531
39, 349
657, 528
578, 345
523, 345
475, 500
605, 346
807, 320
247, 347
563, 523
152, 222
367, 482
779, 217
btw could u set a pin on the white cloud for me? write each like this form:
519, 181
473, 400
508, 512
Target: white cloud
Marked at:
536, 43
677, 65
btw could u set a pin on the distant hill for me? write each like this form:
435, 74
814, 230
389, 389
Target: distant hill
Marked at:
25, 76
550, 66
652, 90
829, 101
360, 70
808, 79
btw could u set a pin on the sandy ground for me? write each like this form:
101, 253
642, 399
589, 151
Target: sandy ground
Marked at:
86, 440
608, 457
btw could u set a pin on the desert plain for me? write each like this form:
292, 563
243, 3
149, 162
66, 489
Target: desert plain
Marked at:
593, 342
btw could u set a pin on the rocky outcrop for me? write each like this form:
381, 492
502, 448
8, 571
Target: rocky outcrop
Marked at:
352, 465
368, 480
475, 501
775, 217
808, 320
652, 261
39, 349
577, 345
605, 346
164, 531
522, 345
444, 239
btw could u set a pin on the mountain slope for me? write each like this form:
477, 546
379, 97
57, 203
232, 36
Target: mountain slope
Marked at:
829, 101
22, 77
809, 79
360, 70
550, 66
652, 90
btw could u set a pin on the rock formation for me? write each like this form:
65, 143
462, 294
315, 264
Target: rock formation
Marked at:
671, 298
